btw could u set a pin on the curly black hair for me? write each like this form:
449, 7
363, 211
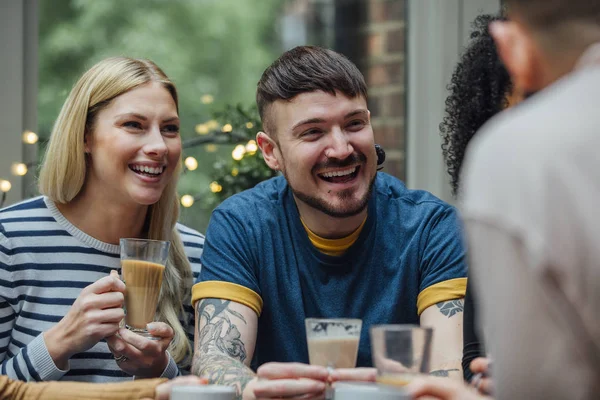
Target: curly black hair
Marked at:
478, 90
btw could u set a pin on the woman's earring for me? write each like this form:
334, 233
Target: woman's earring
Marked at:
380, 156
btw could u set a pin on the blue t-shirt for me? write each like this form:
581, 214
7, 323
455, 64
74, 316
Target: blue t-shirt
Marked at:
408, 256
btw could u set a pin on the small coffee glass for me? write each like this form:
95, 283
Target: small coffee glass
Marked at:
202, 392
333, 342
369, 391
143, 264
400, 352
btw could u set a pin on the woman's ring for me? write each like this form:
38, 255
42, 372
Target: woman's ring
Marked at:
120, 358
477, 380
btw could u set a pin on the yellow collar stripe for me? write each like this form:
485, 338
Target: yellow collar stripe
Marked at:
333, 247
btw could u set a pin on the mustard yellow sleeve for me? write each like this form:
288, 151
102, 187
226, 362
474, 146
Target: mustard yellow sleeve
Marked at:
134, 390
227, 291
442, 291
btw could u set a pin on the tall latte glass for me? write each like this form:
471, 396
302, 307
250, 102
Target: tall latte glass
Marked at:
142, 266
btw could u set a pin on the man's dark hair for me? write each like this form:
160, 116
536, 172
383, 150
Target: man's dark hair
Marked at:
478, 90
545, 14
305, 69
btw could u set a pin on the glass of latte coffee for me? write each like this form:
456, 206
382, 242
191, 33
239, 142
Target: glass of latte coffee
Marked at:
333, 342
400, 352
142, 266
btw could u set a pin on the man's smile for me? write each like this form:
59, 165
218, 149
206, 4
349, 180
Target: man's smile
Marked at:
340, 175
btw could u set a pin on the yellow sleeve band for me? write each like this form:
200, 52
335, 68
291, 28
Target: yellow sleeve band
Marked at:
227, 291
443, 291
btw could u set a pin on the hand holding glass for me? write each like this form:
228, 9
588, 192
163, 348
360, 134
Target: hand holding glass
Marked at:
142, 266
400, 352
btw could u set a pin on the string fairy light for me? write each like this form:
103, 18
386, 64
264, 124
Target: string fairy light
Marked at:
187, 200
215, 187
207, 99
251, 147
30, 137
4, 188
5, 185
191, 163
19, 169
202, 129
238, 153
212, 124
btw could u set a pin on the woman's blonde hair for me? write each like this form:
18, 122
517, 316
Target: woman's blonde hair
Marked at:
63, 172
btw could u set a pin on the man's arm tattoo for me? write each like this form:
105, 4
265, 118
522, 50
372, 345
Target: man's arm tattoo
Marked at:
223, 370
220, 352
449, 308
443, 372
219, 331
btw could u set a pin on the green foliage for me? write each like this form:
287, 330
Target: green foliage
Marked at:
228, 175
234, 176
219, 47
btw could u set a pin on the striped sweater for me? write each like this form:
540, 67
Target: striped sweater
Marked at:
45, 261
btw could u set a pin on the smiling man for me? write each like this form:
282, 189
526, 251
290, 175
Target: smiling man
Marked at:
332, 237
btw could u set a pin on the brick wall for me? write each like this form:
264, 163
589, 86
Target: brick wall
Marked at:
384, 68
372, 34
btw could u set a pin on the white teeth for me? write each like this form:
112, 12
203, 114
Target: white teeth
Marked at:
148, 170
339, 173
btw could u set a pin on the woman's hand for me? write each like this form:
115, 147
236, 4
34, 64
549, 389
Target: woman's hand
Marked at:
144, 358
443, 389
94, 315
481, 380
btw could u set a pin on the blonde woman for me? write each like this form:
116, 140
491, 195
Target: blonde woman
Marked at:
110, 171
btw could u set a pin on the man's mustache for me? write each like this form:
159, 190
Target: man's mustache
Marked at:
353, 158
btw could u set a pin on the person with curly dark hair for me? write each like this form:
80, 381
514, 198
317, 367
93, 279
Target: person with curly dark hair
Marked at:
480, 88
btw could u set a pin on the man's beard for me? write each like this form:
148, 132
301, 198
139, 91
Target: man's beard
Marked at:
327, 208
324, 206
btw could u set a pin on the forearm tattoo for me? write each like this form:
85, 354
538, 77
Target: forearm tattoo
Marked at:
220, 352
443, 372
452, 307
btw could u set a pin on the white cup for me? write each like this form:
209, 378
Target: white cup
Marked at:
202, 392
367, 390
